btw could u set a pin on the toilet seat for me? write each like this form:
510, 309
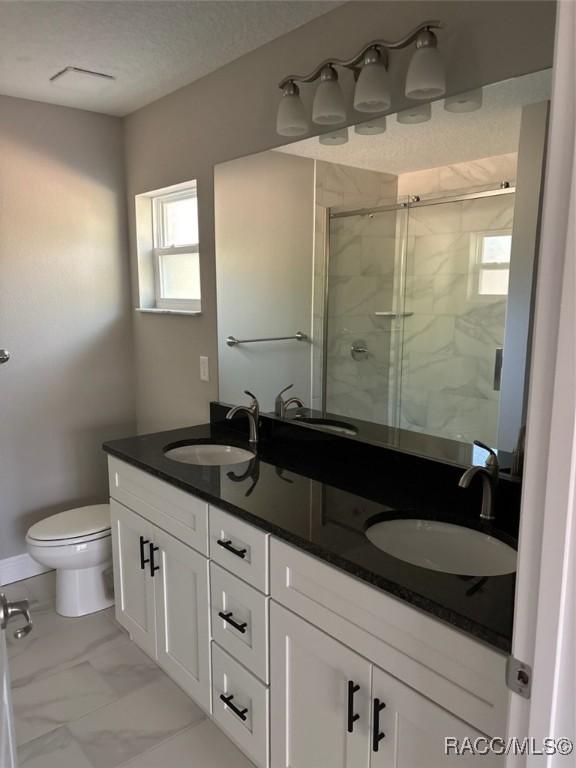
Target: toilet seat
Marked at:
74, 526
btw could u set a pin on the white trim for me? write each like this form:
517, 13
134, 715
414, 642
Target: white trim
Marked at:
19, 567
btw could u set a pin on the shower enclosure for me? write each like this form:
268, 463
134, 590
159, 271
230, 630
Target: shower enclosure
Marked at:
415, 311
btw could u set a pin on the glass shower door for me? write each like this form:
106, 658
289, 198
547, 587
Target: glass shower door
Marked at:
365, 288
457, 270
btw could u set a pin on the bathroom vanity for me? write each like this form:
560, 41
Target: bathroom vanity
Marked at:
256, 589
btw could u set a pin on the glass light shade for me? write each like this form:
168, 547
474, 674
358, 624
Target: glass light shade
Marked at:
372, 93
426, 77
464, 102
419, 113
291, 119
371, 127
334, 138
328, 106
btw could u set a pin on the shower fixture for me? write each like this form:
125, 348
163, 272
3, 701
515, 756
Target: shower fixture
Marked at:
425, 79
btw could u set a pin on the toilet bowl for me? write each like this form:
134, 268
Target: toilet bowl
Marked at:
78, 544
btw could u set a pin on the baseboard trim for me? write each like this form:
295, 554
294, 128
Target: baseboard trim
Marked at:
19, 567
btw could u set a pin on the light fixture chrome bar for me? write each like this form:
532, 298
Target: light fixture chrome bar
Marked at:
354, 62
232, 341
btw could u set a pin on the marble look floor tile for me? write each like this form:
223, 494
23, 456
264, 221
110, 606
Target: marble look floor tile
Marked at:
47, 703
202, 746
126, 668
135, 723
43, 587
68, 643
56, 749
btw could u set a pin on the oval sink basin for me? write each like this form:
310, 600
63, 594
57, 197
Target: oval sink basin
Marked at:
443, 547
209, 455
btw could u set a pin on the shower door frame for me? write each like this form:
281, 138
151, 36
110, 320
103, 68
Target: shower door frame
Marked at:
399, 292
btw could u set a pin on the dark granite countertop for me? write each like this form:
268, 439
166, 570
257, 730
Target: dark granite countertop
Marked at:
305, 496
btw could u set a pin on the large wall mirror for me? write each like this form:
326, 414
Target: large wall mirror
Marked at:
392, 265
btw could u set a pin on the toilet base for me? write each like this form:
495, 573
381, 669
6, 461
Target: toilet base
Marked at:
83, 591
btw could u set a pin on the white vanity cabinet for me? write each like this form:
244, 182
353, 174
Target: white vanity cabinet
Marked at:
302, 665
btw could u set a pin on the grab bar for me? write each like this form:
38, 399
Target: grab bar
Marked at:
232, 341
394, 314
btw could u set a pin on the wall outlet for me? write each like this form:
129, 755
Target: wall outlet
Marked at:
204, 369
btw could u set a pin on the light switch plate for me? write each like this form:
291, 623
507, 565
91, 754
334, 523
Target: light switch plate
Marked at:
204, 369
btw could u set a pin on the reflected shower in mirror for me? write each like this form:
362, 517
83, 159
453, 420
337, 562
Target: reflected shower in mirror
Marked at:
388, 273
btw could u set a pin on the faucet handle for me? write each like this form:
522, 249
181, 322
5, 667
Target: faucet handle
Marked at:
492, 460
285, 390
254, 404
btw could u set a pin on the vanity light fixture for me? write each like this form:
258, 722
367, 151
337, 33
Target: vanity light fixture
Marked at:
419, 113
464, 102
334, 138
371, 127
373, 93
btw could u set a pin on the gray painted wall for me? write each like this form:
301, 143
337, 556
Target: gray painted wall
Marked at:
64, 310
231, 113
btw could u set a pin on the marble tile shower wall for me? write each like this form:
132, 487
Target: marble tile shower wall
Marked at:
450, 341
352, 274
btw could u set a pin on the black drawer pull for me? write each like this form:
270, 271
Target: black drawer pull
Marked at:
153, 566
352, 717
143, 559
241, 713
377, 734
228, 617
227, 544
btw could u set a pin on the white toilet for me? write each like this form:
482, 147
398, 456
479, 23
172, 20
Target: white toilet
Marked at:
78, 544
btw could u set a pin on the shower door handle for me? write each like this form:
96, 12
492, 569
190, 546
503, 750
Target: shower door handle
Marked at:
4, 356
498, 359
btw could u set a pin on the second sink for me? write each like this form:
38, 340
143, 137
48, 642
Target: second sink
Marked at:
208, 454
443, 547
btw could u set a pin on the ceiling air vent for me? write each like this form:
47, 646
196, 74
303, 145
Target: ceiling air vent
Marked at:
81, 80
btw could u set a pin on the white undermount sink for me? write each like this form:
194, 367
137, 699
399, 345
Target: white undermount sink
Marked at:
443, 547
208, 454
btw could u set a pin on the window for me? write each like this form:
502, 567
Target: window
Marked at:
176, 250
492, 263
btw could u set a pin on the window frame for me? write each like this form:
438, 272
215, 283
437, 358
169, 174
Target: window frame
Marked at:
158, 251
478, 266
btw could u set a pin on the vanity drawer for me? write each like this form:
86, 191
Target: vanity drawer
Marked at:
459, 673
244, 634
240, 548
245, 717
173, 510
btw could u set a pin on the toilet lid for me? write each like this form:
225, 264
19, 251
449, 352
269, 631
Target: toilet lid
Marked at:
72, 524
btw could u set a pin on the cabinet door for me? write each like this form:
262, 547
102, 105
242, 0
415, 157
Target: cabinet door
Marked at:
318, 687
412, 729
134, 589
183, 616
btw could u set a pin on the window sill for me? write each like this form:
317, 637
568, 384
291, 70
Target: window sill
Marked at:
156, 311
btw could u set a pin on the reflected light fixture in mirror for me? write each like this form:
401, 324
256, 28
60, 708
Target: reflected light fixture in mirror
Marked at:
425, 80
334, 138
464, 102
328, 107
419, 113
371, 127
291, 120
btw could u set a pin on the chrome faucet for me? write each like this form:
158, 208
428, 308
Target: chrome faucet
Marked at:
489, 474
253, 413
281, 405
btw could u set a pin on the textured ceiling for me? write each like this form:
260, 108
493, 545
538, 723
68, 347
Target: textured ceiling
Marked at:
446, 138
151, 47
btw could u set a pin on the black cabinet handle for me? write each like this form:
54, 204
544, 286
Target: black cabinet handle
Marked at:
352, 717
228, 617
153, 566
227, 544
377, 735
143, 559
241, 713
